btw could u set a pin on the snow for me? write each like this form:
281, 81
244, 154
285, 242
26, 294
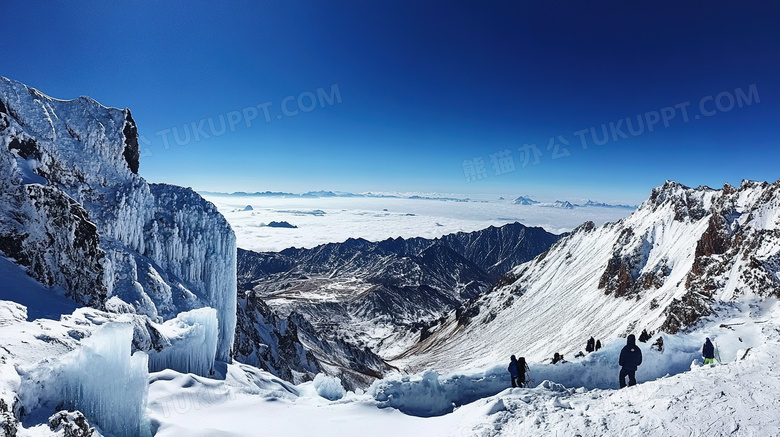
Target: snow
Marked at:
676, 396
431, 394
251, 402
101, 379
167, 262
199, 247
29, 176
39, 302
556, 302
736, 398
193, 336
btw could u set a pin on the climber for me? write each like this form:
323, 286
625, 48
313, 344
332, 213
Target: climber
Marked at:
591, 345
659, 344
708, 352
513, 370
630, 359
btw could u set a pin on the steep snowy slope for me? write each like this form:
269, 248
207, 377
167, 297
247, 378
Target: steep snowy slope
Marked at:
683, 253
75, 212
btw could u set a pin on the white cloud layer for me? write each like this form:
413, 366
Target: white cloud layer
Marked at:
333, 220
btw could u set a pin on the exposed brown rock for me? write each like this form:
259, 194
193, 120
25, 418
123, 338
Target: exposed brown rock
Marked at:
686, 311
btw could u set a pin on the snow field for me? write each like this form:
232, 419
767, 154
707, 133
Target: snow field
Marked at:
676, 394
431, 394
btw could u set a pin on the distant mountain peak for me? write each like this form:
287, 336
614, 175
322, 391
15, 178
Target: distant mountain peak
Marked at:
607, 205
565, 204
525, 200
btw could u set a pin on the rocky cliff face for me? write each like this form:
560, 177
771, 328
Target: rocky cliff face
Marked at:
291, 348
76, 213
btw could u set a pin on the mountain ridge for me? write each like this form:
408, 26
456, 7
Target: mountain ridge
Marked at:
684, 252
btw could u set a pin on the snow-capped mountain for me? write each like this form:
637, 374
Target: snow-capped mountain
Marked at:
565, 204
77, 215
155, 265
524, 200
383, 295
682, 254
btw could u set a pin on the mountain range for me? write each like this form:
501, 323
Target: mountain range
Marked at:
382, 295
565, 204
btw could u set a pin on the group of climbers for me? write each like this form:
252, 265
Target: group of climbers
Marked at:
593, 345
629, 360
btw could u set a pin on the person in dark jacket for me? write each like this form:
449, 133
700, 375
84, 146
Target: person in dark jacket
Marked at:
598, 344
630, 359
659, 344
591, 345
513, 370
557, 358
522, 369
708, 352
644, 336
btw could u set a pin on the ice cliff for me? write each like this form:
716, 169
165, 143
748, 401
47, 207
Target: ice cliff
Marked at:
77, 215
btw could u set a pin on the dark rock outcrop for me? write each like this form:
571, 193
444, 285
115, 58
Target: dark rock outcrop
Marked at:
24, 147
53, 237
686, 311
131, 153
71, 424
293, 349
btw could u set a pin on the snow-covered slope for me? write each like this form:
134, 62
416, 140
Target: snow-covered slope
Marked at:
75, 212
683, 253
676, 396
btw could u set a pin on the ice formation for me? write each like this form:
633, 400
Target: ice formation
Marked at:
101, 379
193, 343
329, 387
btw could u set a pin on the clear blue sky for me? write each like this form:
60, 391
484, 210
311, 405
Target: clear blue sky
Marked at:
423, 87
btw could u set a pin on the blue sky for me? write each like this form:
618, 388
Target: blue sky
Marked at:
409, 96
